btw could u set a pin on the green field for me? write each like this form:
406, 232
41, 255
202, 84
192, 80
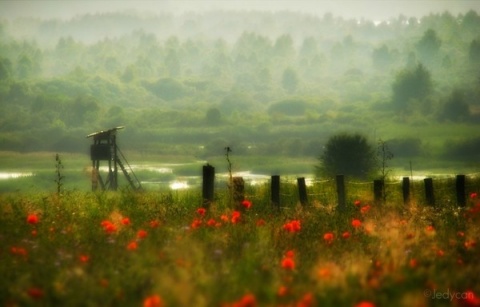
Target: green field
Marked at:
128, 249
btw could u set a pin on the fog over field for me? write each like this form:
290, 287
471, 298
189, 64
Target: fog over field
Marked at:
370, 9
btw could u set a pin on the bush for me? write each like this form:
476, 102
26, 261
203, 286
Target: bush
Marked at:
347, 154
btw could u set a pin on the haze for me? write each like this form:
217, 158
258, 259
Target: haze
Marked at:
371, 9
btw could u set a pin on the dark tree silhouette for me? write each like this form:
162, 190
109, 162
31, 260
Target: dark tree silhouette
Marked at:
347, 154
410, 85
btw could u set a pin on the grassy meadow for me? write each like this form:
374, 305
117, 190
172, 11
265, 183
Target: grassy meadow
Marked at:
163, 249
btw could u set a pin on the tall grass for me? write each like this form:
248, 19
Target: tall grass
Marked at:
162, 246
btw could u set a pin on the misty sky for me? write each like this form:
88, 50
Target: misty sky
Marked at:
370, 9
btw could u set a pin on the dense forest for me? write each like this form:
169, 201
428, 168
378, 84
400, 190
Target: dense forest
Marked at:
263, 83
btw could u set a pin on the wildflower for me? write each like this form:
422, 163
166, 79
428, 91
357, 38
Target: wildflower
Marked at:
460, 234
430, 228
18, 251
246, 204
365, 304
357, 203
248, 300
212, 223
84, 258
290, 254
346, 235
153, 301
224, 218
236, 217
282, 291
34, 233
201, 211
470, 244
142, 234
292, 226
365, 209
288, 263
132, 246
440, 253
306, 300
328, 237
196, 223
154, 224
35, 293
470, 299
356, 223
32, 219
109, 227
473, 195
261, 222
413, 263
126, 221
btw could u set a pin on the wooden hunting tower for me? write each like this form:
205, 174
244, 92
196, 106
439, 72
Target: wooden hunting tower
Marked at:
104, 148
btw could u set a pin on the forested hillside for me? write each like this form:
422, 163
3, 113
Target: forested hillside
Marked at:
262, 83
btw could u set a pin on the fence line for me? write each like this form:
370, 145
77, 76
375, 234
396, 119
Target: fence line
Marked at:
378, 191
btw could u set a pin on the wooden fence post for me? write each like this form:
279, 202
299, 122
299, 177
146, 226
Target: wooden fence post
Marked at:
429, 196
302, 191
208, 185
275, 191
341, 192
460, 188
406, 190
238, 192
378, 191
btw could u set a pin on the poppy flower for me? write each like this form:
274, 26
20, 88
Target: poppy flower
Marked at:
357, 203
290, 254
142, 234
154, 224
282, 291
32, 219
153, 301
288, 263
132, 246
356, 223
293, 226
196, 223
126, 221
19, 251
236, 217
261, 222
212, 223
201, 211
306, 300
346, 235
365, 304
328, 237
473, 195
248, 300
109, 227
84, 258
365, 209
35, 293
246, 204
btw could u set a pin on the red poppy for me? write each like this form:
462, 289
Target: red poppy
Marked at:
365, 304
211, 223
35, 293
357, 203
473, 195
328, 237
32, 219
19, 251
109, 227
246, 204
196, 223
201, 211
261, 222
413, 263
224, 218
288, 263
290, 254
142, 234
84, 258
282, 291
346, 235
306, 300
293, 226
248, 300
154, 224
236, 217
470, 299
365, 209
356, 223
153, 301
132, 246
126, 221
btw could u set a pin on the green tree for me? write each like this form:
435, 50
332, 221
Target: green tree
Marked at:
428, 46
411, 84
290, 80
455, 108
347, 154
